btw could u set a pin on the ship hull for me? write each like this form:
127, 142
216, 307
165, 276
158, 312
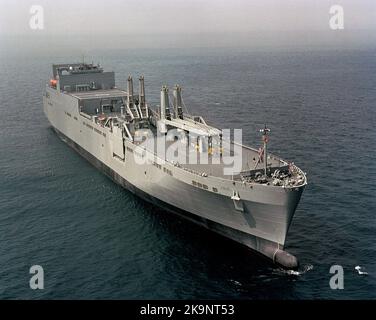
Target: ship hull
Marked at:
270, 249
259, 220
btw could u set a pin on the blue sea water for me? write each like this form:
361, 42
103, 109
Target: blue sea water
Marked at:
96, 240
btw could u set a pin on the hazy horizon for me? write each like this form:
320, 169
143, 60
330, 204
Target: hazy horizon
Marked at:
187, 24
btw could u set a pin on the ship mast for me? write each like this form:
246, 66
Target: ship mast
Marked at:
178, 109
142, 106
265, 138
165, 105
131, 108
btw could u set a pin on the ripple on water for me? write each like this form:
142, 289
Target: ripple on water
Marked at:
96, 240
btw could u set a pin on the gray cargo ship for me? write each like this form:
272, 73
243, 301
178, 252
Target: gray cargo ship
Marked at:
176, 160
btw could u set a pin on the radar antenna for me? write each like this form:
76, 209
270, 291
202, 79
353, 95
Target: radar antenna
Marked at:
265, 138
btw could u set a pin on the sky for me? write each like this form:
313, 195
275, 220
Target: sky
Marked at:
192, 22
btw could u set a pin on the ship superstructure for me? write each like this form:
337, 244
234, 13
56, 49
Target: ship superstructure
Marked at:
252, 202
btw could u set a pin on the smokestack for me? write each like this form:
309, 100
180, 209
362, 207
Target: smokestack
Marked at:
165, 109
178, 102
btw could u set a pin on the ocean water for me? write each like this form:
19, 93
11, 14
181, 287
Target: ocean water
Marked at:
96, 240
